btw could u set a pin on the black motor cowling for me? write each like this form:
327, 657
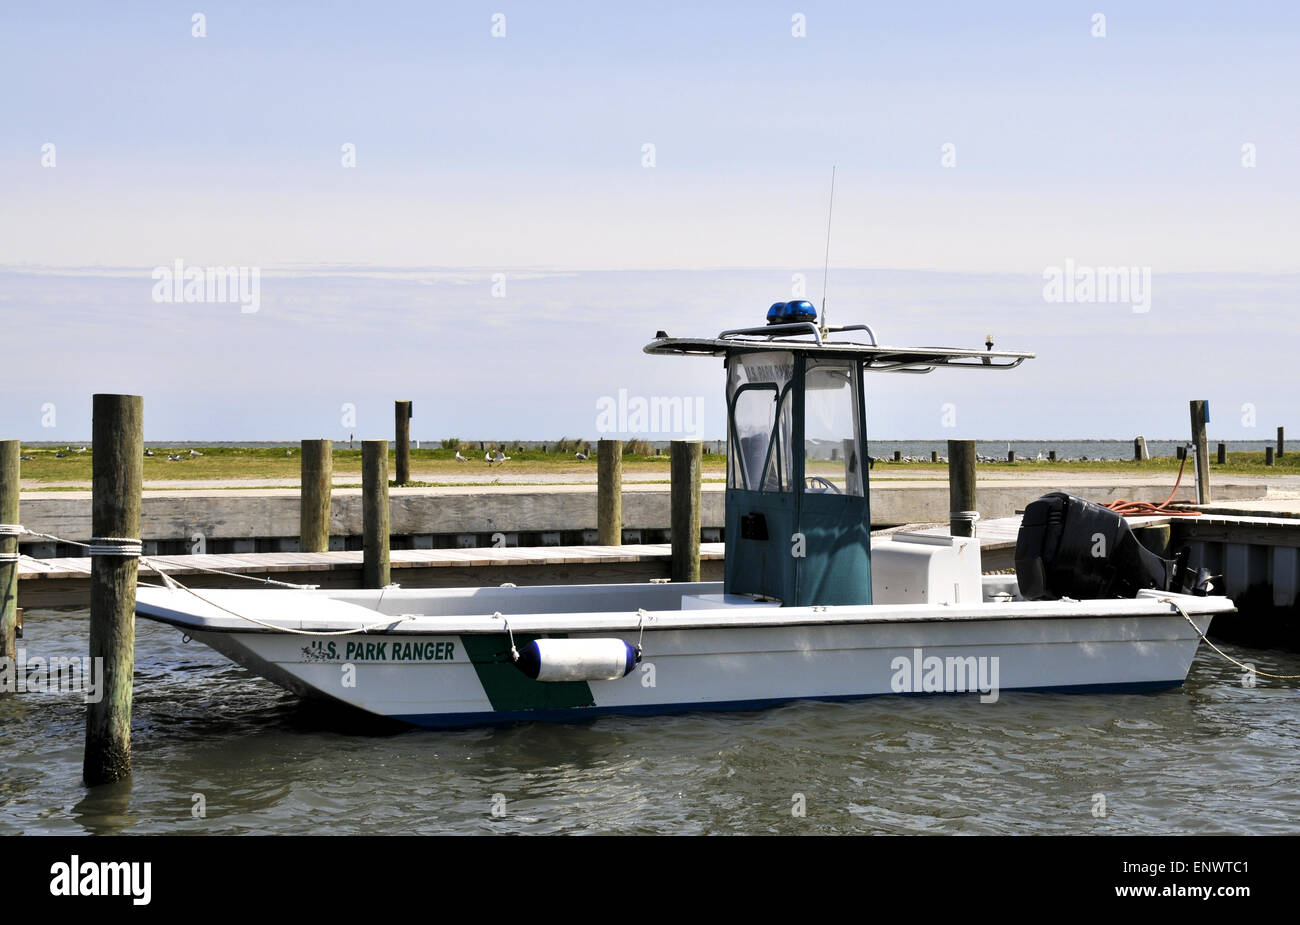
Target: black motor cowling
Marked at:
1071, 547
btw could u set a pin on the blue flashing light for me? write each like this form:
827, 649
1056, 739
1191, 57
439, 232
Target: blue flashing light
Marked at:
800, 310
791, 312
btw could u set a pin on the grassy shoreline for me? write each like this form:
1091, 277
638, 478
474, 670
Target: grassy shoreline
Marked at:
429, 466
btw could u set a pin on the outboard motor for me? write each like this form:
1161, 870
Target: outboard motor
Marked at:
1071, 547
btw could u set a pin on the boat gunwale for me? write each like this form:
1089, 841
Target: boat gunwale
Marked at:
674, 621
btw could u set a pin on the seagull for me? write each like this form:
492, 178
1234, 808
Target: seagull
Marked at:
460, 458
148, 452
195, 453
60, 455
487, 458
288, 452
500, 457
82, 450
27, 457
583, 456
174, 458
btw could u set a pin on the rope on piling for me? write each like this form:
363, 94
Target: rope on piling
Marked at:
10, 530
1280, 677
114, 546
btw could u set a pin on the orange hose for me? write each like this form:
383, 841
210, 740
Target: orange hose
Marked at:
1147, 509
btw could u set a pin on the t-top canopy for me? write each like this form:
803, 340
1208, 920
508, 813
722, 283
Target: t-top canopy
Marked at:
807, 337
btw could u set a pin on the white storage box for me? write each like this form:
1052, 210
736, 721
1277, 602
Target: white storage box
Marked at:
922, 568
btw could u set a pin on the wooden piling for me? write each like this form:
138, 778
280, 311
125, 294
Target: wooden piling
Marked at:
1051, 455
961, 486
898, 455
685, 511
1011, 456
1281, 441
374, 513
1155, 538
314, 501
1140, 449
1268, 456
10, 451
402, 418
609, 492
934, 456
1222, 456
117, 429
1201, 449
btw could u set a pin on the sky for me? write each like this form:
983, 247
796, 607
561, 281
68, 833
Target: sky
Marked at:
494, 225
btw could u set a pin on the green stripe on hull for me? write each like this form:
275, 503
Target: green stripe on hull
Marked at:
508, 688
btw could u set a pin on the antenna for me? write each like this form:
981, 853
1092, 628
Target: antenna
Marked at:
826, 272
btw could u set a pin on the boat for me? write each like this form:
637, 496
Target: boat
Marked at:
812, 606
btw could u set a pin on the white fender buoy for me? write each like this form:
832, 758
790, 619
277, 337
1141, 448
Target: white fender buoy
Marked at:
577, 659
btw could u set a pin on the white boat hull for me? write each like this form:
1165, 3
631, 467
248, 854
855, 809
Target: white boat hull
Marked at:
725, 659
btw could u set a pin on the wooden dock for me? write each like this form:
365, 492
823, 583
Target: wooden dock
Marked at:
65, 582
246, 520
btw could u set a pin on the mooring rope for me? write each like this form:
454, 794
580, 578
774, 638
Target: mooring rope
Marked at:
151, 561
514, 651
10, 530
175, 585
154, 561
116, 546
1251, 669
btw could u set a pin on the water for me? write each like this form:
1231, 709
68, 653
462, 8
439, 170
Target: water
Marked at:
1066, 450
1213, 757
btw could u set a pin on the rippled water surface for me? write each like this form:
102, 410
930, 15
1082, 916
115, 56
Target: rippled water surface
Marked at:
1213, 757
